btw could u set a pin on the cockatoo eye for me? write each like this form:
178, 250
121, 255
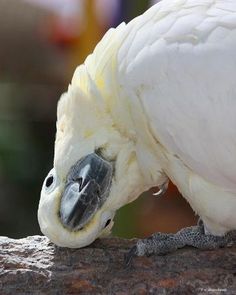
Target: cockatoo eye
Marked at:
50, 181
107, 222
106, 219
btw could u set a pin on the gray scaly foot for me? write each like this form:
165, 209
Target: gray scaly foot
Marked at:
194, 236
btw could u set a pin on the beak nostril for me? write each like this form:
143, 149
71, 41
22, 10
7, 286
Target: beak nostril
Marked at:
80, 181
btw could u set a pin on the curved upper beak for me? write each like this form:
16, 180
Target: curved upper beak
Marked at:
87, 187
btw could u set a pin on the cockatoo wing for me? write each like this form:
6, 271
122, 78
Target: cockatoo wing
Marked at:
179, 60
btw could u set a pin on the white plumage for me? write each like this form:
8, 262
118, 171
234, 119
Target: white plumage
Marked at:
181, 65
159, 95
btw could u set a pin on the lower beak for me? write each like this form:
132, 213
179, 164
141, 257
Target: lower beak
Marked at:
87, 187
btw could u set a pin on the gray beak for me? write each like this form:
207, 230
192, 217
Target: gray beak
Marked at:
87, 187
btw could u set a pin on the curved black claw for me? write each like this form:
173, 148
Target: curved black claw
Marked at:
130, 255
200, 222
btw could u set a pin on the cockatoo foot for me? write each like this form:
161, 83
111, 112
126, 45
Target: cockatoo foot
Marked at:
161, 243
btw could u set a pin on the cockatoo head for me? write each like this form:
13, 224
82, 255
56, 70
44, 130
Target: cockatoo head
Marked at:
95, 170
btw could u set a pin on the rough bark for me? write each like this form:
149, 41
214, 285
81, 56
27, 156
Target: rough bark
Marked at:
34, 265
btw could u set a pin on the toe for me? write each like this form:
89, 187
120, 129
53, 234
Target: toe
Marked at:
129, 256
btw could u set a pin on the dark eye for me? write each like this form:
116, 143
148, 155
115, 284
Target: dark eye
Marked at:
107, 223
49, 181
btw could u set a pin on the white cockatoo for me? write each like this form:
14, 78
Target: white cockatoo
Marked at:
156, 100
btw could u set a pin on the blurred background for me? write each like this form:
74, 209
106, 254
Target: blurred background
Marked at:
41, 43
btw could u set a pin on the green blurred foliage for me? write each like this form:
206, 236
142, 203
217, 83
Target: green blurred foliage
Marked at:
125, 225
26, 153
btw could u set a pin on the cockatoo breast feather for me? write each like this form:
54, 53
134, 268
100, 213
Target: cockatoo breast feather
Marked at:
187, 61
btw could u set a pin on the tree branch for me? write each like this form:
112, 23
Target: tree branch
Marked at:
34, 265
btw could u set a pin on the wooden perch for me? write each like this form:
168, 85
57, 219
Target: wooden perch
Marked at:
34, 265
